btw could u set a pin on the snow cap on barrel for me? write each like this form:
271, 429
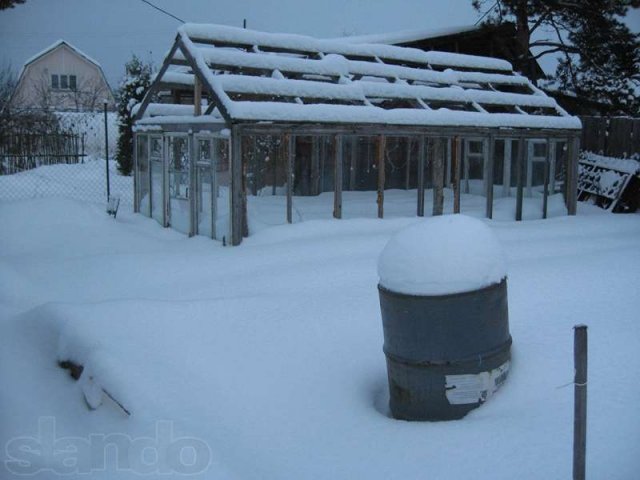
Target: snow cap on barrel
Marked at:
442, 255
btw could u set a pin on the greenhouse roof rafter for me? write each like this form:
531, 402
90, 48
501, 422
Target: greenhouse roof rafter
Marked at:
251, 76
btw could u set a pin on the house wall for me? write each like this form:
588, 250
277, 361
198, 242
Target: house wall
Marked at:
34, 89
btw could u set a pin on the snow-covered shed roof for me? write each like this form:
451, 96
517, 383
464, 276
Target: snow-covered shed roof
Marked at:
251, 76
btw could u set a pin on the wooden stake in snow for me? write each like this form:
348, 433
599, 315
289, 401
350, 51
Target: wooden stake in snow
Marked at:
580, 399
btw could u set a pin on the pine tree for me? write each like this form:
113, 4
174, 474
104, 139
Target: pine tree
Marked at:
607, 68
5, 4
133, 87
600, 55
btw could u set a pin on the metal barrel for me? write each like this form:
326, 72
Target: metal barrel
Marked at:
446, 354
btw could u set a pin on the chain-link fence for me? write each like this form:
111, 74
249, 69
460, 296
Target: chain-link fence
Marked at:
61, 154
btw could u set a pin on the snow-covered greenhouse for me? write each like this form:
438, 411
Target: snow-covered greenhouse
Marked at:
242, 129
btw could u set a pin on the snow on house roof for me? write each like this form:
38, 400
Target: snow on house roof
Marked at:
55, 45
257, 76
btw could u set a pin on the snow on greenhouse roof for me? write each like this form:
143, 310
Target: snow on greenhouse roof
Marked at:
255, 76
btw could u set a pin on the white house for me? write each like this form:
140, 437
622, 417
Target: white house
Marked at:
62, 77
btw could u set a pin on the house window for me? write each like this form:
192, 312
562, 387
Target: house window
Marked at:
72, 82
54, 82
64, 82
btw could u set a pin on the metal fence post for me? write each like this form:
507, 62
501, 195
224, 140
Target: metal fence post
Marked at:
580, 402
106, 148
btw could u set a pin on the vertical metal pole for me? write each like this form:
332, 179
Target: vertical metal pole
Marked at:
289, 142
337, 184
381, 146
488, 173
106, 149
519, 175
580, 402
421, 162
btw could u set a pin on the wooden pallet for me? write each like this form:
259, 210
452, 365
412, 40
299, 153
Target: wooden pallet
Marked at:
610, 186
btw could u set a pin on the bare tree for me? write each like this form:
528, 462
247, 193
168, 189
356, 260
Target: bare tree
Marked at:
7, 85
43, 97
88, 94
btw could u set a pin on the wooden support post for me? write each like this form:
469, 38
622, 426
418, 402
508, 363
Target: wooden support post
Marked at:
421, 163
289, 145
572, 175
438, 176
213, 148
136, 176
506, 162
465, 164
323, 161
237, 200
315, 165
580, 402
520, 171
165, 181
337, 184
488, 174
380, 151
407, 182
353, 165
274, 154
456, 152
547, 169
197, 96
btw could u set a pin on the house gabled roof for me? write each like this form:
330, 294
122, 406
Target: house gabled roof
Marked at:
55, 45
251, 76
50, 49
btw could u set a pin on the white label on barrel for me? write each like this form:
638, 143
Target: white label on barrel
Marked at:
475, 387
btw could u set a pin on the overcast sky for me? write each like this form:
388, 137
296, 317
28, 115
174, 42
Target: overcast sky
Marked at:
110, 31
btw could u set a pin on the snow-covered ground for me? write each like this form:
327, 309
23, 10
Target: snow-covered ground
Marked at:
85, 182
265, 360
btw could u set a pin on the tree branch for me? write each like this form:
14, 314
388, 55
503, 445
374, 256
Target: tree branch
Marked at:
574, 78
560, 45
539, 21
546, 52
